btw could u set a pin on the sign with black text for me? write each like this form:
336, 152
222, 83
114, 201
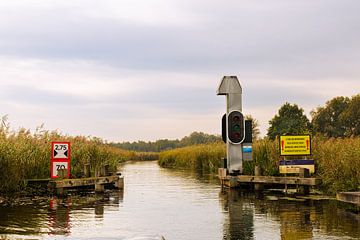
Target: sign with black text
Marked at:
60, 158
295, 145
56, 166
60, 150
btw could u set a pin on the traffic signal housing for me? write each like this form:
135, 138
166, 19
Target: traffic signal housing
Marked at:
236, 129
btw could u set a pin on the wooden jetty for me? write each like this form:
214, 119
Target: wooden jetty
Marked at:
99, 183
303, 182
349, 197
60, 185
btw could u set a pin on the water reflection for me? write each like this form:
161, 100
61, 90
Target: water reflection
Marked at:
251, 216
54, 216
178, 205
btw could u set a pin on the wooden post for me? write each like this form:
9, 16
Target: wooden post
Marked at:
304, 173
99, 188
87, 172
119, 184
233, 183
258, 172
62, 173
104, 172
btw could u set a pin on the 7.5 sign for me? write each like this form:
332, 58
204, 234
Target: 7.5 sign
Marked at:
60, 150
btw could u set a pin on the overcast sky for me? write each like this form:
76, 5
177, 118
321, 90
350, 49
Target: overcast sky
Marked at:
127, 70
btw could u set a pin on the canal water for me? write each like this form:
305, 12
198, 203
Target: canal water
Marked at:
169, 204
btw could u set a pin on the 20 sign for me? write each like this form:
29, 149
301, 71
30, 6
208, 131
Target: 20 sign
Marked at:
61, 150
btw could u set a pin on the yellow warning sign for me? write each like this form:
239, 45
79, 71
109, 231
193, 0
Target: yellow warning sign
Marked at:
295, 145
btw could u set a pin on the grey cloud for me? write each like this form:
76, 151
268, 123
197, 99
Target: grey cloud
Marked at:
317, 38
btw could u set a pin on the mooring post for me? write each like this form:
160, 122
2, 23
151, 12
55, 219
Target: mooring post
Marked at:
62, 173
304, 173
258, 172
104, 171
87, 171
99, 188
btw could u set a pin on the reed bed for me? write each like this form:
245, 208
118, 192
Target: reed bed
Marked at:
25, 155
337, 160
338, 163
204, 157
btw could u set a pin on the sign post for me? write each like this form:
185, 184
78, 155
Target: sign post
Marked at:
60, 158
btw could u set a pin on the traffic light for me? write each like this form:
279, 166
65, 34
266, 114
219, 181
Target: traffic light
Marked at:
223, 128
236, 131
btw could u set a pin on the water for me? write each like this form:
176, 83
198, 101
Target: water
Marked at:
176, 204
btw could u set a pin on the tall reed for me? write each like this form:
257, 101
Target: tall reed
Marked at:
24, 155
337, 160
200, 157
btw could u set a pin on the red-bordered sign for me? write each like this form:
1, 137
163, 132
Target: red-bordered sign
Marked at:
60, 158
60, 150
55, 166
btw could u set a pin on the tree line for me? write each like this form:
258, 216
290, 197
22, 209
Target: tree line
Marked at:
166, 144
340, 117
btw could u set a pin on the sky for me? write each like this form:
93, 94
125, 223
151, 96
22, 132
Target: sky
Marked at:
128, 70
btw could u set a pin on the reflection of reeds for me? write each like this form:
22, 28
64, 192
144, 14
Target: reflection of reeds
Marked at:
337, 160
24, 155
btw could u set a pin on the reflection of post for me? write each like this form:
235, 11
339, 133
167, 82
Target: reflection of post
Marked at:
59, 217
296, 222
99, 210
240, 223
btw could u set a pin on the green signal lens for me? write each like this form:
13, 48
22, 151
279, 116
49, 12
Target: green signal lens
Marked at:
236, 128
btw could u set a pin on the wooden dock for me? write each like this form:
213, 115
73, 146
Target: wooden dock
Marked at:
278, 180
302, 182
60, 186
98, 182
349, 197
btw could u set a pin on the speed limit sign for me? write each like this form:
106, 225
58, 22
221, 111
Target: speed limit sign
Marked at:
56, 166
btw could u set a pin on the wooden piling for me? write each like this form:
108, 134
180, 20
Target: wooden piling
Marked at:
258, 172
62, 173
99, 188
104, 171
87, 170
303, 189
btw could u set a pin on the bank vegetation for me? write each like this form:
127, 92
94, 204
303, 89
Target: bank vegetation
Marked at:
25, 155
337, 160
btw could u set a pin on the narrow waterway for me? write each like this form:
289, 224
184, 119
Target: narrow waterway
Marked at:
176, 205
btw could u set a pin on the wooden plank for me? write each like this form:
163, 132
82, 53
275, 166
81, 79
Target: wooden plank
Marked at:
278, 180
349, 197
67, 183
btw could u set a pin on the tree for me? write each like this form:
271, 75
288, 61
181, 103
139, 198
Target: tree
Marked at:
351, 117
254, 127
330, 120
289, 120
